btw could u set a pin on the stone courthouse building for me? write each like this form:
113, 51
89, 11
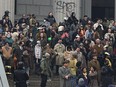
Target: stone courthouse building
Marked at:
60, 8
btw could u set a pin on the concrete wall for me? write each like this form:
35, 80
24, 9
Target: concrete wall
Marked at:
7, 5
40, 8
64, 8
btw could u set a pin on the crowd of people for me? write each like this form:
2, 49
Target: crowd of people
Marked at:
81, 51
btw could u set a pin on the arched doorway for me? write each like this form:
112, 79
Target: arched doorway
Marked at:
103, 8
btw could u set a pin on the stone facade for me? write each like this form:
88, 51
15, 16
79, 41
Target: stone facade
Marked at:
64, 8
7, 5
40, 8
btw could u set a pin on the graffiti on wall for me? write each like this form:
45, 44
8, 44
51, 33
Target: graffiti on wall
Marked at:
65, 7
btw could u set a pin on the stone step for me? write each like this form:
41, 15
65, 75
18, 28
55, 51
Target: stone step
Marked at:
35, 80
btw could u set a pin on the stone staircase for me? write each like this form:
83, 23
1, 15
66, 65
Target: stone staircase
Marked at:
35, 81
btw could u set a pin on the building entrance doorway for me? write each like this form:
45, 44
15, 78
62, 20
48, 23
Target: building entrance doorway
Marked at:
102, 9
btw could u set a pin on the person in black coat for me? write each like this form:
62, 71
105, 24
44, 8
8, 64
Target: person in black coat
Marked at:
107, 73
51, 18
18, 51
72, 19
20, 76
6, 23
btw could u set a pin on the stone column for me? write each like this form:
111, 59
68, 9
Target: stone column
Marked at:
115, 10
78, 8
1, 8
64, 8
88, 7
7, 5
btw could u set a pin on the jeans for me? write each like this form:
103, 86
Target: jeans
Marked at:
43, 80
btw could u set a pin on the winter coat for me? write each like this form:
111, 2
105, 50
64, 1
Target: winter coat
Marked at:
20, 77
32, 22
51, 19
30, 55
42, 39
45, 66
10, 41
67, 55
26, 61
93, 79
89, 34
76, 44
72, 66
63, 71
72, 19
59, 50
94, 64
81, 58
98, 48
106, 72
19, 53
38, 52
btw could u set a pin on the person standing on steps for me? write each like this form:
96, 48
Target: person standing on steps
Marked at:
20, 76
65, 74
45, 69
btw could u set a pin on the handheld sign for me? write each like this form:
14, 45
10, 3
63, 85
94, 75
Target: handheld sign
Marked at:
3, 78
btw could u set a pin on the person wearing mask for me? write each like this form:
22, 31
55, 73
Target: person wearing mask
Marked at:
38, 55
